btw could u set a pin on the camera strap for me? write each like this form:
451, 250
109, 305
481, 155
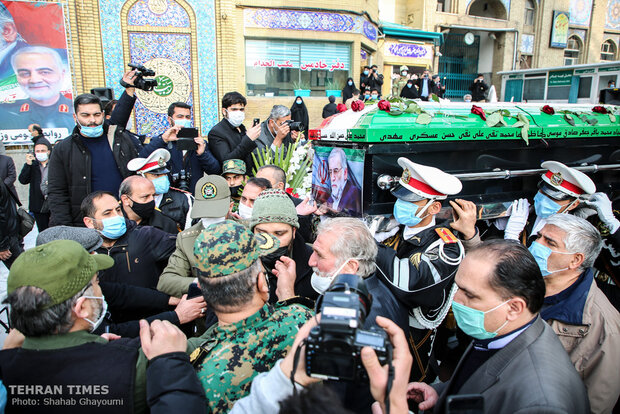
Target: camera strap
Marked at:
295, 364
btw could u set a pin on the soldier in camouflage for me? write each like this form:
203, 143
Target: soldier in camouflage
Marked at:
251, 334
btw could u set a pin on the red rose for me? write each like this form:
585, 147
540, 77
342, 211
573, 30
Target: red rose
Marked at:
289, 190
384, 105
548, 110
357, 105
478, 111
600, 109
341, 107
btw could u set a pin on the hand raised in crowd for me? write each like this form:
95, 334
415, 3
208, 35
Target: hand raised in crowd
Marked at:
189, 309
603, 206
294, 135
305, 208
286, 272
464, 214
378, 374
254, 132
171, 134
287, 363
5, 254
518, 219
282, 131
29, 158
202, 144
129, 77
161, 337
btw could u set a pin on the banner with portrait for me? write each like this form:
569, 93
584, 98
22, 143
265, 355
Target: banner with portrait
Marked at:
338, 178
35, 76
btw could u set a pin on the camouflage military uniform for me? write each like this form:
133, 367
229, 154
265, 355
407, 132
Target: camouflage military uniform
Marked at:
227, 358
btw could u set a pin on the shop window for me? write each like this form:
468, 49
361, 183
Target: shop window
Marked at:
534, 89
530, 12
558, 93
608, 50
444, 6
278, 67
585, 86
572, 51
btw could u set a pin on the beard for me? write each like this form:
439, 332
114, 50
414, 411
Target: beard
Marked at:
337, 189
41, 90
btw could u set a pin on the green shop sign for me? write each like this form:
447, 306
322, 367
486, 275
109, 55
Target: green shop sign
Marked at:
609, 69
560, 78
580, 71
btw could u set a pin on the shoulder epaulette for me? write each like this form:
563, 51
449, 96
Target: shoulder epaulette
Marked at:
446, 235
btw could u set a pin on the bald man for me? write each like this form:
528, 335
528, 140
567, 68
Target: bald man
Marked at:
137, 199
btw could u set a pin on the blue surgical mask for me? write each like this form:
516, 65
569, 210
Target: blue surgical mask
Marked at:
350, 83
541, 254
183, 123
91, 132
366, 72
366, 96
113, 227
374, 96
409, 85
544, 206
298, 102
406, 213
471, 321
162, 184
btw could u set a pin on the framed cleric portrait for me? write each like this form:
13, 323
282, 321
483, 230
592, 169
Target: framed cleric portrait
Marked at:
35, 76
559, 29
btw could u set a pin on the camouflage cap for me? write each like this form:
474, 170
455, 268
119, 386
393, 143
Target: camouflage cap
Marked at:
233, 167
229, 247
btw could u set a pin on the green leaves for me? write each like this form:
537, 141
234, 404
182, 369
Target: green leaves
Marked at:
612, 117
568, 118
525, 127
424, 119
494, 119
434, 97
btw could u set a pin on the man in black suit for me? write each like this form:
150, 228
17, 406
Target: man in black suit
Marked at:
229, 139
34, 172
516, 362
425, 85
7, 171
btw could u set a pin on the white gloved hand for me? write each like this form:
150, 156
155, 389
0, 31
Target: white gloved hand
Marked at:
602, 204
518, 219
384, 235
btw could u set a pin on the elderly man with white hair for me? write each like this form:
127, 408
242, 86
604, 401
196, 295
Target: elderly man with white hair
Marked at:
586, 323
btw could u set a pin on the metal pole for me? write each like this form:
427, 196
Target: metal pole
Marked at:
506, 174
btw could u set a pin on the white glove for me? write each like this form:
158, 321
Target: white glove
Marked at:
384, 235
518, 219
602, 204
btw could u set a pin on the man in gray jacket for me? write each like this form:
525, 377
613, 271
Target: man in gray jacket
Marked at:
275, 132
516, 362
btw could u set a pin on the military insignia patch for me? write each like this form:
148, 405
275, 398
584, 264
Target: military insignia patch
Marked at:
446, 235
556, 179
161, 162
415, 259
24, 108
406, 176
208, 191
266, 243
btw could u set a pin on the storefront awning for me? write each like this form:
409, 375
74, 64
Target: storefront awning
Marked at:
404, 32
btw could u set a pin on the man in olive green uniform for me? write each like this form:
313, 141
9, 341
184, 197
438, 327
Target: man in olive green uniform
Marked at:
400, 83
55, 310
251, 334
211, 205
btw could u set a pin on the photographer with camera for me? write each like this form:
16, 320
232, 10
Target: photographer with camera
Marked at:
93, 158
478, 89
190, 158
278, 131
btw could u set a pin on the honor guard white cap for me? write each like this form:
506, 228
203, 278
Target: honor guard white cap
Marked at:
423, 182
154, 163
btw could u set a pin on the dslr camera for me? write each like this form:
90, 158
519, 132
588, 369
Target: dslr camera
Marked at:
294, 126
333, 348
182, 179
139, 81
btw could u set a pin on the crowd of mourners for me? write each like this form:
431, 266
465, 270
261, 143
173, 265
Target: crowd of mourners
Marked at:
175, 275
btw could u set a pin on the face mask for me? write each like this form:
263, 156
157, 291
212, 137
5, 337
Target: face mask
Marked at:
183, 123
161, 184
404, 73
235, 117
471, 321
374, 96
409, 85
406, 213
234, 191
366, 72
544, 206
366, 96
298, 102
321, 283
207, 221
245, 212
41, 156
91, 132
269, 260
541, 254
144, 210
113, 227
104, 310
350, 83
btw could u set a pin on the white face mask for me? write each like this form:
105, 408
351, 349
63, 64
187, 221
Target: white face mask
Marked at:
245, 212
104, 310
235, 117
41, 156
207, 221
320, 283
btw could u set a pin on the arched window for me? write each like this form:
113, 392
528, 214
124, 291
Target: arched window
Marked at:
530, 13
488, 8
608, 50
573, 50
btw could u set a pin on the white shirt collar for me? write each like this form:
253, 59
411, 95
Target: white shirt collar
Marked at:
409, 232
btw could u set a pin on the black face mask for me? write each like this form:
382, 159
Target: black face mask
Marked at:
234, 191
144, 210
269, 260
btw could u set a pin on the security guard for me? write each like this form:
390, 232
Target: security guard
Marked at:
399, 84
420, 261
234, 172
211, 206
174, 203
